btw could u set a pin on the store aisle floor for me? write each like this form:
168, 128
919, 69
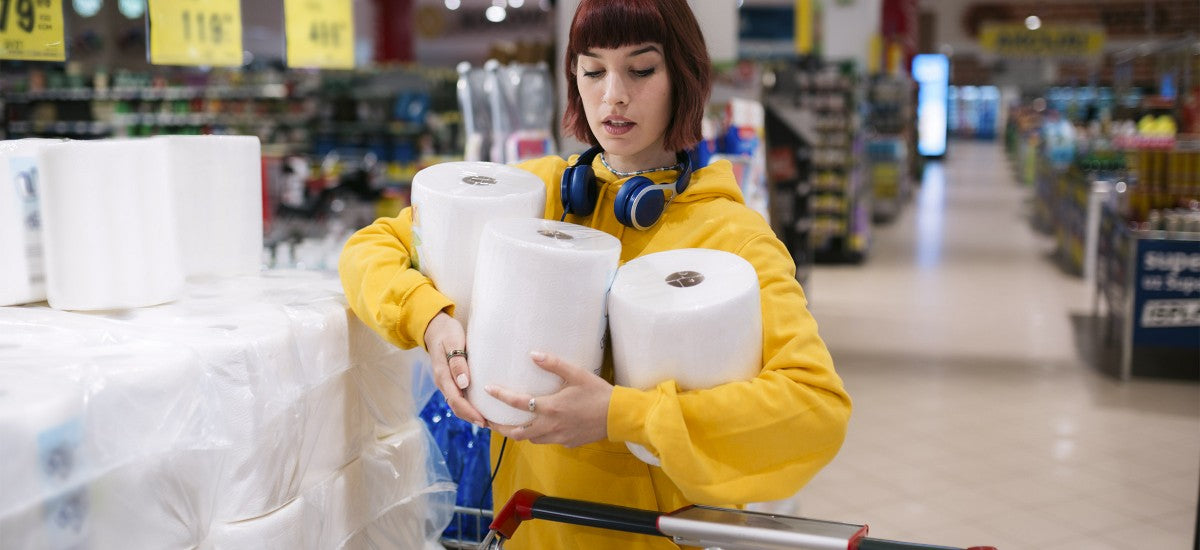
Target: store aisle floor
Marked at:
975, 420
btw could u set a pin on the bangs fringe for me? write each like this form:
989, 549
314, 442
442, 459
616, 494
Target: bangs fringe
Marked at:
620, 23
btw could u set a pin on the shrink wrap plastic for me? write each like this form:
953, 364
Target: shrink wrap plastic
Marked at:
42, 428
452, 202
23, 278
397, 494
541, 287
688, 315
108, 225
222, 406
216, 183
392, 380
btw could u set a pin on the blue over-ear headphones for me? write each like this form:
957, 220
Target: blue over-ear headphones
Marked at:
640, 201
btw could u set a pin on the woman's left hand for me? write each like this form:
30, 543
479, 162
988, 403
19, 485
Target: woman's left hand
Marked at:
577, 414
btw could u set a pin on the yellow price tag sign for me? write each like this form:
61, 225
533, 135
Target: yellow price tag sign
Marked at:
32, 30
320, 33
196, 32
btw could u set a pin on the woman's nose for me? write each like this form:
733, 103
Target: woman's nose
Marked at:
615, 91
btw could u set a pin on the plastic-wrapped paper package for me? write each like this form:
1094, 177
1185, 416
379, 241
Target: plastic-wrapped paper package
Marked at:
689, 315
452, 202
336, 512
108, 225
23, 279
217, 187
152, 429
390, 378
283, 425
542, 287
42, 427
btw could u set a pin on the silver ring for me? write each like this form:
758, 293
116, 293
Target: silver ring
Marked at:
532, 404
456, 353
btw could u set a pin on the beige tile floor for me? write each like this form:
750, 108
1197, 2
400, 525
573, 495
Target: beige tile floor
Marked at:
975, 421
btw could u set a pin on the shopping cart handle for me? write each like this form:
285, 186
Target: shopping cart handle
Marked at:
703, 526
527, 504
868, 543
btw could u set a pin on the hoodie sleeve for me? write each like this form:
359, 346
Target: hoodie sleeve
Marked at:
755, 440
382, 285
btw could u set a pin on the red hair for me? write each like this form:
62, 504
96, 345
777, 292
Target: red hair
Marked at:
617, 23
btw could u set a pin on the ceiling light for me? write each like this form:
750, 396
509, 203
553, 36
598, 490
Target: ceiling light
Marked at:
453, 4
495, 14
1033, 22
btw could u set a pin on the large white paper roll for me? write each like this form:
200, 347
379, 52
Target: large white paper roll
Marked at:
385, 376
541, 286
689, 315
163, 501
452, 202
217, 186
42, 430
23, 279
108, 225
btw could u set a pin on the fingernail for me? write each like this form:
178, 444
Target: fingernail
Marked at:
489, 388
538, 356
462, 381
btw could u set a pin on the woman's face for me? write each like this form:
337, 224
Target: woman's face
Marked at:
626, 95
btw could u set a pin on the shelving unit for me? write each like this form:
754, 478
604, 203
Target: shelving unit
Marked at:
890, 129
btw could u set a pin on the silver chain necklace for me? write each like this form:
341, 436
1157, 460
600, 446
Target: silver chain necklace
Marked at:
604, 161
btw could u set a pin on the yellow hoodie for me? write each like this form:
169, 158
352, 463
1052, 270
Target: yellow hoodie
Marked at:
748, 441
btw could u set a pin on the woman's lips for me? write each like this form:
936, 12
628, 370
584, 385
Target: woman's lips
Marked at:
617, 128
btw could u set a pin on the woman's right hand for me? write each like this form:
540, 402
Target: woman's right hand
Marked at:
443, 335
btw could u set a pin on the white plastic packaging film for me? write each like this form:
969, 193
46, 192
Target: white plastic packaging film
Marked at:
452, 202
380, 487
541, 286
291, 409
388, 378
217, 186
689, 315
42, 426
23, 278
108, 225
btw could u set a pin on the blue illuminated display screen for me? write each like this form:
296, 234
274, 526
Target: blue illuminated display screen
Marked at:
932, 73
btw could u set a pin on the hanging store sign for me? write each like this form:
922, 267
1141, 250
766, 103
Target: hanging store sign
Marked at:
32, 30
1047, 41
320, 33
196, 32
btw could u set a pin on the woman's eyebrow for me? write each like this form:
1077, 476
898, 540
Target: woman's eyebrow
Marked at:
639, 51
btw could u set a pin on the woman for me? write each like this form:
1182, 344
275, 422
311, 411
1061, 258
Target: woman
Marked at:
638, 83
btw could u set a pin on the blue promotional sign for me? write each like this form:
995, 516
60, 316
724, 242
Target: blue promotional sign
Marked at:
932, 73
1167, 297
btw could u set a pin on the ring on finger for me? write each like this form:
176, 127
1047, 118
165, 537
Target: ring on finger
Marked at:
533, 404
456, 353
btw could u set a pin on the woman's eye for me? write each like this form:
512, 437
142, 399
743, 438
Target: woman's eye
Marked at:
642, 73
593, 74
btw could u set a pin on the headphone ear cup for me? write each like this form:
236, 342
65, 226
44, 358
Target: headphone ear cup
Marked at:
579, 191
627, 199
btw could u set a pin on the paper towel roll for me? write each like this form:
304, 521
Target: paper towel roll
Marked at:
164, 501
23, 279
108, 225
689, 315
385, 376
60, 520
217, 187
282, 529
541, 286
42, 430
452, 202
